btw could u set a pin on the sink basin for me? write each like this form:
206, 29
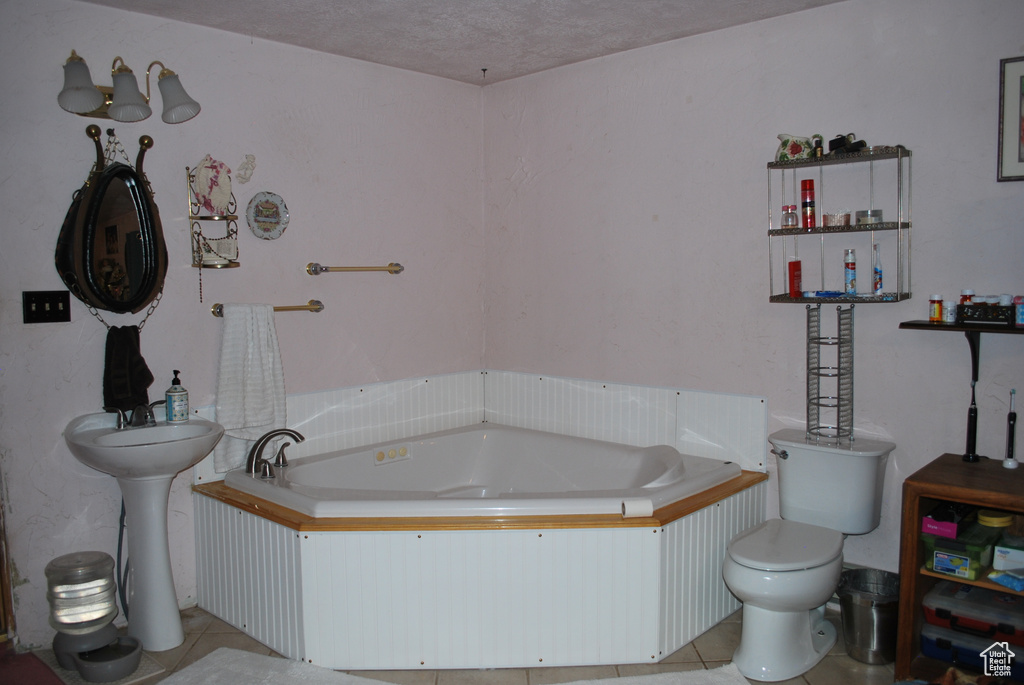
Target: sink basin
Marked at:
144, 461
146, 452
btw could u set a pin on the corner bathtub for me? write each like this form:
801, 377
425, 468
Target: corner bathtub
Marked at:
488, 470
478, 547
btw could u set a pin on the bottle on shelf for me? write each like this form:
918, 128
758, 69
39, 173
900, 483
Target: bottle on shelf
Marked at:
850, 271
807, 197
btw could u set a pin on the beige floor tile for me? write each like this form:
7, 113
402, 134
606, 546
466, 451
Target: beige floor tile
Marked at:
567, 674
719, 643
684, 654
170, 658
205, 633
734, 617
647, 669
843, 669
499, 676
400, 677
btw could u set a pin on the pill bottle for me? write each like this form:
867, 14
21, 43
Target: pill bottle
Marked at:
966, 295
949, 311
935, 308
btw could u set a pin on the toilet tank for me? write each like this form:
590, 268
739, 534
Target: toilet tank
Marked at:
837, 485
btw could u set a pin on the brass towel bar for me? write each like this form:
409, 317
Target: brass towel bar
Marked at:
314, 269
311, 306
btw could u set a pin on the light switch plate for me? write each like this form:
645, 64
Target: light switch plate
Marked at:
46, 306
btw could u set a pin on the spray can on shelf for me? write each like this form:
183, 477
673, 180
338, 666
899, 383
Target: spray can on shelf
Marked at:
850, 271
807, 197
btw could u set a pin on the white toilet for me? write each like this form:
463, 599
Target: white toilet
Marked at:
785, 570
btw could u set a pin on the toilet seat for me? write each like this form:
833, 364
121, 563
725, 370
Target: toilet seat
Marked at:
780, 545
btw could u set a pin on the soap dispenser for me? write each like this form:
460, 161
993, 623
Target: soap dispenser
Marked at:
177, 401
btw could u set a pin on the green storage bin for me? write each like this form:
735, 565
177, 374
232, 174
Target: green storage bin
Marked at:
968, 556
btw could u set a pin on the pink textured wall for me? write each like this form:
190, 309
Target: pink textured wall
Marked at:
626, 229
602, 220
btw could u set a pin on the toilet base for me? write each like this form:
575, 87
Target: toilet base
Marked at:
778, 645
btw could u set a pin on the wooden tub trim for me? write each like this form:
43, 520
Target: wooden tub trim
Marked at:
308, 524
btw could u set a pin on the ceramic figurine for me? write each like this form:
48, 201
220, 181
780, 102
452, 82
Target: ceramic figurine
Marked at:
245, 169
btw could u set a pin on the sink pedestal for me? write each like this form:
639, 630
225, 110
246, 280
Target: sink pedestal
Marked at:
144, 461
153, 615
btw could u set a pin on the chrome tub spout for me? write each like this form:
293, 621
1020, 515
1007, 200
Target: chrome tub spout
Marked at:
254, 461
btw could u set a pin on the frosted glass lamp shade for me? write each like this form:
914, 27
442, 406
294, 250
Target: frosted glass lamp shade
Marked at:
178, 106
129, 104
79, 94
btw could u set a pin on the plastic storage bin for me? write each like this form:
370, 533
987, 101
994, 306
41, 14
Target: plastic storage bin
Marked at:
949, 645
983, 613
967, 557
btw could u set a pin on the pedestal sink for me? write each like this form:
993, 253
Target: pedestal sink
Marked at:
145, 460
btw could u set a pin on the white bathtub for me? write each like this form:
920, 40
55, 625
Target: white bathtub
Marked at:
481, 547
487, 470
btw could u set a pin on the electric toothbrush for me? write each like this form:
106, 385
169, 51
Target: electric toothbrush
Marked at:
972, 429
1011, 425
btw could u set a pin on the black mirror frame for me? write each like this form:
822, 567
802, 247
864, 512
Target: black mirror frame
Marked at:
77, 240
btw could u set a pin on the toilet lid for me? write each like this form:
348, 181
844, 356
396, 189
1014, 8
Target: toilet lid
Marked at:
778, 545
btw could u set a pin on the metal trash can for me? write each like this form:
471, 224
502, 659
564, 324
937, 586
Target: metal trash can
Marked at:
869, 600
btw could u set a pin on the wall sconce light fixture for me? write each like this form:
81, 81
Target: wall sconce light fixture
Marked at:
124, 101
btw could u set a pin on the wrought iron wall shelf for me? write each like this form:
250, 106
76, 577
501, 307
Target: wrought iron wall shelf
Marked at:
893, 236
972, 331
228, 223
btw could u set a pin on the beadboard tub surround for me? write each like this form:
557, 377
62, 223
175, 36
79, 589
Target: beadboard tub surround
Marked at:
471, 592
451, 593
724, 426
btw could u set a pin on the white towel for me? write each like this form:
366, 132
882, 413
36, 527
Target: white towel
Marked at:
250, 383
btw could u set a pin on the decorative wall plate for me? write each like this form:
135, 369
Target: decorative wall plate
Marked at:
267, 215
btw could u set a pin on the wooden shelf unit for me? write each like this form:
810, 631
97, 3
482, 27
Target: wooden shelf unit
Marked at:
984, 484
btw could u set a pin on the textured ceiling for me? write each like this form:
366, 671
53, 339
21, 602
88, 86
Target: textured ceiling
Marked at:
457, 39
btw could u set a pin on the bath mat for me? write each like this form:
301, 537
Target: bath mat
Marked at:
236, 667
147, 667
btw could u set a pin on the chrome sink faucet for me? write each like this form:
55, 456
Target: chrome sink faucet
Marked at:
122, 420
255, 463
143, 414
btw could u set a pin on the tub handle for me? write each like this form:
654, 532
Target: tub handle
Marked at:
781, 454
281, 461
266, 470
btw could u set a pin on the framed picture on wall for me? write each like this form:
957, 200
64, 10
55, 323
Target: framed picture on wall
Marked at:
1011, 119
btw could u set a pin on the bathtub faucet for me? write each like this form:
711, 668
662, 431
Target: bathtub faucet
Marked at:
255, 461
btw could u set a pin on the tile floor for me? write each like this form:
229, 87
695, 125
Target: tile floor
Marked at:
204, 633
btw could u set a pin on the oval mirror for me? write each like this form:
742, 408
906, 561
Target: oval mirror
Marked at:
111, 253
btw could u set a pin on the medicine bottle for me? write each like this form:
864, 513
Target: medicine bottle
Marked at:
949, 311
935, 308
966, 295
